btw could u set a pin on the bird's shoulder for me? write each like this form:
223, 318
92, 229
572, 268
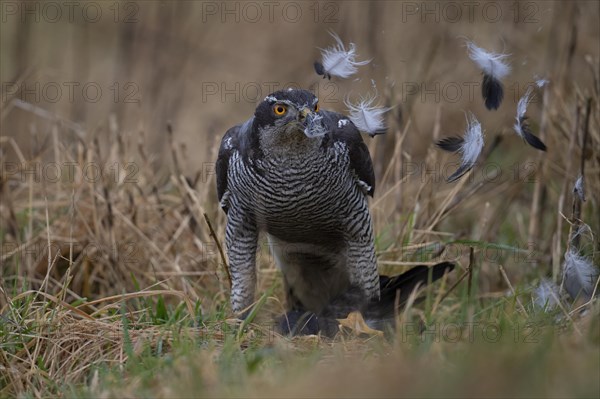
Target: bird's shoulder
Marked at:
342, 130
236, 139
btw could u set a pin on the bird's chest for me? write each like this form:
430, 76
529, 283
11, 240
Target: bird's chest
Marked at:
299, 180
297, 188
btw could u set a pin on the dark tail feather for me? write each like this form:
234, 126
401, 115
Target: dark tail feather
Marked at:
401, 287
464, 168
451, 144
378, 314
454, 144
378, 132
530, 138
319, 69
492, 92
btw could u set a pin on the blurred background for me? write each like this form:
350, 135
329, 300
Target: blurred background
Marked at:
105, 77
204, 65
111, 114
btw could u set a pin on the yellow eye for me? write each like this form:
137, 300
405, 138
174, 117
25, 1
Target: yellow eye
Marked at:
317, 107
279, 109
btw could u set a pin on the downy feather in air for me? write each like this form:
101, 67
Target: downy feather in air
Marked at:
522, 126
469, 146
368, 118
337, 61
494, 69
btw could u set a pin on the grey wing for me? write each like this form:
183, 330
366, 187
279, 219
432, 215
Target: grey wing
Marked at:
234, 140
342, 129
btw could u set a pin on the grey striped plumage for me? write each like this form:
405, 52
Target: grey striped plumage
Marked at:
309, 194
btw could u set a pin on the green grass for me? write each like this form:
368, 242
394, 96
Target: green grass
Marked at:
104, 321
458, 347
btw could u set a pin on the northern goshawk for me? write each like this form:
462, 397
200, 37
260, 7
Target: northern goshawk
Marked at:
303, 175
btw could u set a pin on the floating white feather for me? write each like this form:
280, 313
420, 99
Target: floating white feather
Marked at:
521, 127
472, 141
469, 146
492, 64
368, 118
521, 111
337, 61
579, 275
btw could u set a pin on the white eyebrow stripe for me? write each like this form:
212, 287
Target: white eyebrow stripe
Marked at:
290, 103
293, 104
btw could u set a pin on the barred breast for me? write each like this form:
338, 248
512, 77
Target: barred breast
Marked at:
305, 197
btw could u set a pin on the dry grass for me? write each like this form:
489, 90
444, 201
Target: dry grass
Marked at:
112, 285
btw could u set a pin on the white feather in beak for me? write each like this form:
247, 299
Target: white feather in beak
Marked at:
314, 125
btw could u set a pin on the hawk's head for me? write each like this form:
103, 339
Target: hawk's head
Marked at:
288, 116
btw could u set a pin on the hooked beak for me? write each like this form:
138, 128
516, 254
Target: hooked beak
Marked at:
312, 122
303, 114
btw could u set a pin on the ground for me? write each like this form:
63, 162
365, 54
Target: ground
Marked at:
112, 283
